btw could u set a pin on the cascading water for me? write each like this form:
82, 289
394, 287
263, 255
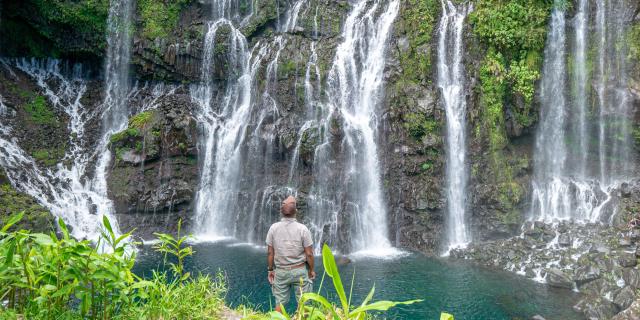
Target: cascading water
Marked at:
68, 190
355, 87
452, 85
583, 191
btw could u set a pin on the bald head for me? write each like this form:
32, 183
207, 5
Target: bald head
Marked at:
288, 208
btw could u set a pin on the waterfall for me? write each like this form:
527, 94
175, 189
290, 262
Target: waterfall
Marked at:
451, 82
66, 190
581, 107
355, 88
573, 177
224, 124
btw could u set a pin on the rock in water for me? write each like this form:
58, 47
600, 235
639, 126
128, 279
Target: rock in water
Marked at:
557, 278
632, 313
624, 298
627, 260
596, 308
586, 274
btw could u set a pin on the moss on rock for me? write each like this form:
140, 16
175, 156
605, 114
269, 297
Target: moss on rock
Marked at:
36, 218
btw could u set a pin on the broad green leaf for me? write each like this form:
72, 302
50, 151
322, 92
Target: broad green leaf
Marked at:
381, 306
12, 220
107, 225
446, 316
332, 271
8, 260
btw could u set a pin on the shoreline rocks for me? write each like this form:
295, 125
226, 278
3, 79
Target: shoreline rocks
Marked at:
596, 260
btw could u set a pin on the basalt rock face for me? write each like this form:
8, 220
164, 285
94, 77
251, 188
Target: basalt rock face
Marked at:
154, 169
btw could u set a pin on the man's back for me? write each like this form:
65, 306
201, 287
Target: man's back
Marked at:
288, 239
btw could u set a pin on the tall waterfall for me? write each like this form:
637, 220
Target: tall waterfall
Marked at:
451, 82
574, 177
238, 183
66, 189
355, 88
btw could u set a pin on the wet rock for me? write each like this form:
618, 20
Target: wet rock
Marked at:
596, 308
624, 298
586, 274
627, 260
631, 313
558, 278
631, 277
564, 240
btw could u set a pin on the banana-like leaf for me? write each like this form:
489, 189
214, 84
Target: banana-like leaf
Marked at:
331, 268
380, 306
12, 220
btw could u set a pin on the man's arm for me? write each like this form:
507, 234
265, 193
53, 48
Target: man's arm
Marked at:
270, 257
308, 251
271, 273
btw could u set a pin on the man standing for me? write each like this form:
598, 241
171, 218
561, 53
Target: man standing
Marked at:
290, 251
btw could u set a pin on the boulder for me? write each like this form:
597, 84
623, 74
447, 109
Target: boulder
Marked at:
627, 260
631, 313
564, 240
557, 278
596, 308
586, 274
624, 298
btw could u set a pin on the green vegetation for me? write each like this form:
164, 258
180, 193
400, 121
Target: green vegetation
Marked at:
634, 42
122, 135
39, 111
140, 120
46, 276
419, 18
89, 15
42, 28
11, 200
160, 17
514, 34
419, 125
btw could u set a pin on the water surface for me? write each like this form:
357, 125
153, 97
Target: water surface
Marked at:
465, 290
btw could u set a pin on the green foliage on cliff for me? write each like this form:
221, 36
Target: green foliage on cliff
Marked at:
37, 218
159, 17
50, 28
120, 136
418, 19
419, 125
140, 120
511, 27
516, 32
634, 43
86, 14
40, 112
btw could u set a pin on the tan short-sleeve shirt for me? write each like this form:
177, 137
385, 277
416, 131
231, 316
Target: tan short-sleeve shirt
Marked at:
288, 239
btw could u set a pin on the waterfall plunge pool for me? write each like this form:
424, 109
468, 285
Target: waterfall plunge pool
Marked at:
463, 289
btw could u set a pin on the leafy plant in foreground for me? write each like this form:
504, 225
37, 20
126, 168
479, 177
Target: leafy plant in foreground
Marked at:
313, 306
